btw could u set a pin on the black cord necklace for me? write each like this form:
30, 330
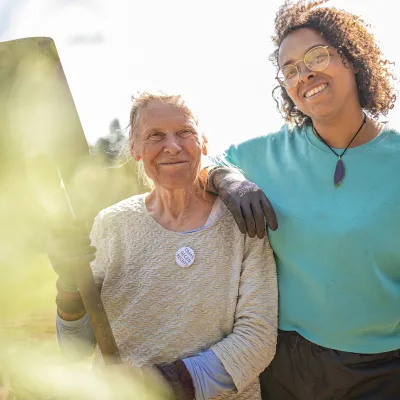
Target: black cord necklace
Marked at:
339, 170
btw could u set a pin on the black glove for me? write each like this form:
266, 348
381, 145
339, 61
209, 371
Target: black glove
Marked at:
179, 379
245, 200
68, 248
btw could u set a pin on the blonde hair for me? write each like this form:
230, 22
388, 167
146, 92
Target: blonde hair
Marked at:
143, 100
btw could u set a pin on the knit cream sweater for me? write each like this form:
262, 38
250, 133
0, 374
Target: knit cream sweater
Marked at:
159, 312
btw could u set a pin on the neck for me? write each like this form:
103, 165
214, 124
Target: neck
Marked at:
180, 209
338, 131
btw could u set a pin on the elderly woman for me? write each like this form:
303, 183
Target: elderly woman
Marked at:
183, 289
331, 174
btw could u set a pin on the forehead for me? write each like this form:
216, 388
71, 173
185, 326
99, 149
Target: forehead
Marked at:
297, 43
162, 115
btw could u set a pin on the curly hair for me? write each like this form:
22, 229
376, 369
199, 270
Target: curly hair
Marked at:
349, 35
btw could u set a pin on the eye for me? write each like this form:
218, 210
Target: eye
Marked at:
185, 133
156, 136
290, 73
321, 57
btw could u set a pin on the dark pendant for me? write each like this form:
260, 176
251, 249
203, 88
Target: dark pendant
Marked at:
339, 173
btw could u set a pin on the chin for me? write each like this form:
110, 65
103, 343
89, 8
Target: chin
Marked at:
321, 113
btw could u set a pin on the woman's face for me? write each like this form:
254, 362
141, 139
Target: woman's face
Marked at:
337, 81
169, 145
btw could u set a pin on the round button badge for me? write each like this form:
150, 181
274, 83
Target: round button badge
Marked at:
185, 257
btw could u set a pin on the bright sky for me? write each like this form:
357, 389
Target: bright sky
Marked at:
215, 52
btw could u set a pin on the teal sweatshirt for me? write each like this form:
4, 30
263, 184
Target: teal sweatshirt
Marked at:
337, 248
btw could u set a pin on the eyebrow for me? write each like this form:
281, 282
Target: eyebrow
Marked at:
310, 48
153, 130
160, 130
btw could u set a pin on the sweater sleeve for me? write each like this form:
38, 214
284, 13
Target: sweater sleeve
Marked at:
209, 375
75, 338
249, 349
98, 239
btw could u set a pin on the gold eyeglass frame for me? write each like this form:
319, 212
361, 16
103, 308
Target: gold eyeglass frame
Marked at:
304, 61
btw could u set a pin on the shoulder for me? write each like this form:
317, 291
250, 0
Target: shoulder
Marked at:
391, 133
263, 150
271, 139
128, 208
227, 231
387, 143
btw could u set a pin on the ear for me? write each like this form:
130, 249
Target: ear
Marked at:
136, 156
204, 149
352, 67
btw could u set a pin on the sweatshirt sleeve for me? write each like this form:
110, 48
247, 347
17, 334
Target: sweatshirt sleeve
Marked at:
248, 157
249, 349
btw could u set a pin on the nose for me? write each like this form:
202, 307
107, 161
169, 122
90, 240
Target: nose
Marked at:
305, 73
172, 145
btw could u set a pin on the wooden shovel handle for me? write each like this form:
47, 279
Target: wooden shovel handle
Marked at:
97, 315
92, 301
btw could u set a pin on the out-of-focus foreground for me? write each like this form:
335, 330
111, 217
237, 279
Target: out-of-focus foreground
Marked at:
40, 136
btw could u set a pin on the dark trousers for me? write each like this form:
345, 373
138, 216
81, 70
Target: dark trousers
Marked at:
302, 370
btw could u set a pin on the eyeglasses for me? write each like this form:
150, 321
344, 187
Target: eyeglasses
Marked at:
316, 59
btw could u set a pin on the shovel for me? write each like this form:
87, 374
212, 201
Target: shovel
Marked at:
40, 130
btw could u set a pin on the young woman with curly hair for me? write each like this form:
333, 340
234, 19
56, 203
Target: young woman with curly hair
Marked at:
331, 176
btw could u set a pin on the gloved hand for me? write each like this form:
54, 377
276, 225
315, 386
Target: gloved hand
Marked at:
179, 379
69, 248
128, 382
245, 200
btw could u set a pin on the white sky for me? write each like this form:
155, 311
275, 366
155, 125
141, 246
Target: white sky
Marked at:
215, 52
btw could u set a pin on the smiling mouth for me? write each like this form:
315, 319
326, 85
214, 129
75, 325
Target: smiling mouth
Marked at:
316, 90
173, 163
